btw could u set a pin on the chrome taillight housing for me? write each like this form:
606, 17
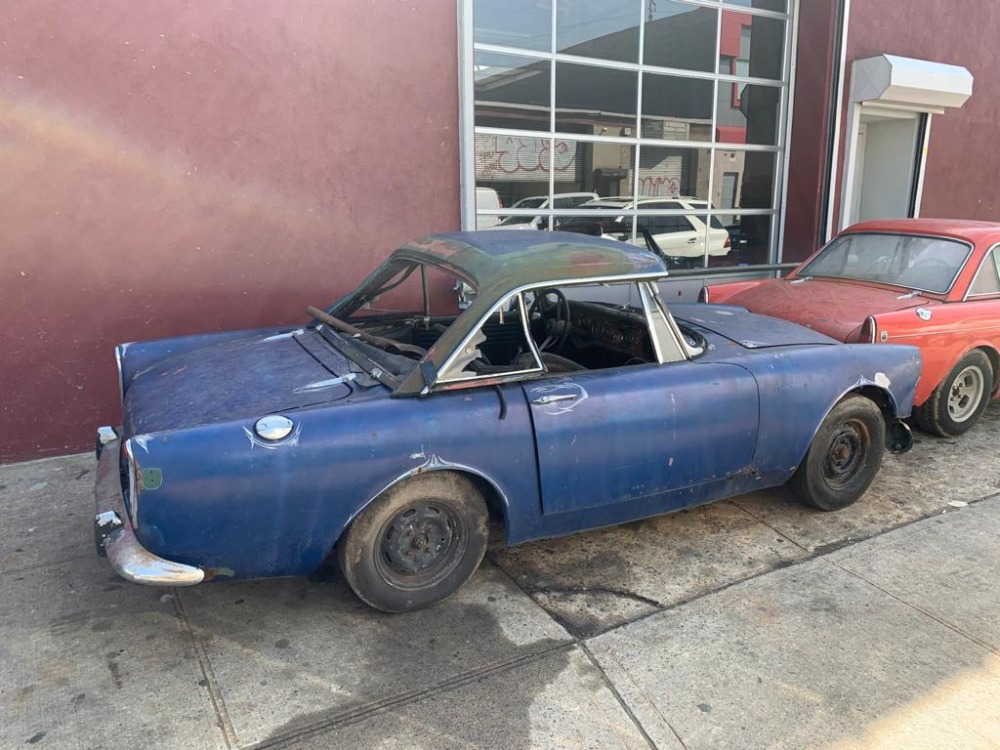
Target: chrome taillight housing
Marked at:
868, 331
703, 294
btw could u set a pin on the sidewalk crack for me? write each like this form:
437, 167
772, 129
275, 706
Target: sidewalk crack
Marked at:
224, 723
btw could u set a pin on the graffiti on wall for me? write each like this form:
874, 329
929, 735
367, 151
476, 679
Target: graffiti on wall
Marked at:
506, 157
659, 187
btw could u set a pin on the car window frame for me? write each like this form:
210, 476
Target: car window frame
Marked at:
994, 253
472, 380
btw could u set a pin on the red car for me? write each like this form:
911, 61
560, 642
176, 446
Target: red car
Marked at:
932, 283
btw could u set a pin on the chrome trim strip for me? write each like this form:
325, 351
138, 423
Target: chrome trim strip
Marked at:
466, 116
832, 175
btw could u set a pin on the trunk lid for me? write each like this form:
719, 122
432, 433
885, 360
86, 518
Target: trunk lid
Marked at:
747, 329
836, 308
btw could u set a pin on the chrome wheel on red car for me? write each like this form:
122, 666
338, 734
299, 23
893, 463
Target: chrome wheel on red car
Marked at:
961, 398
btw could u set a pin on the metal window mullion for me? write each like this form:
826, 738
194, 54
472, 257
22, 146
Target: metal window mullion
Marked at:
638, 119
706, 144
542, 135
776, 251
466, 117
552, 113
737, 8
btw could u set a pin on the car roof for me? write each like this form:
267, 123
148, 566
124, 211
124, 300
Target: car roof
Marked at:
502, 260
967, 229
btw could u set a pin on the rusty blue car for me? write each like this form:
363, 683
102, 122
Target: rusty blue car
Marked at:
396, 427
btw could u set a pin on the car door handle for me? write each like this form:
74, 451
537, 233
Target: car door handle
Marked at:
552, 399
692, 240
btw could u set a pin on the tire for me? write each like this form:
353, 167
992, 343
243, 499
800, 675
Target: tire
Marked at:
844, 457
417, 543
961, 398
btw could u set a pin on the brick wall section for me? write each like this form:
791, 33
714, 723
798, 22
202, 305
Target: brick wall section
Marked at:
182, 167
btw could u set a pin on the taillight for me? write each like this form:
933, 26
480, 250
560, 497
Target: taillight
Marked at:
867, 335
703, 294
728, 242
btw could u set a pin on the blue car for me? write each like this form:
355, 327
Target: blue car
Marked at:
393, 427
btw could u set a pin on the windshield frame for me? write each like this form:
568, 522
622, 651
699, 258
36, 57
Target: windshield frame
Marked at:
803, 272
383, 276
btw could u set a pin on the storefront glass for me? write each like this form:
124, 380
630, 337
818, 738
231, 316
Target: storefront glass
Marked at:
631, 118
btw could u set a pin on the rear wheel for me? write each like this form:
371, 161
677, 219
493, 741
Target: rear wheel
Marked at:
961, 398
417, 543
844, 457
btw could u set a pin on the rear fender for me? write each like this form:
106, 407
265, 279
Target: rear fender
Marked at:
944, 334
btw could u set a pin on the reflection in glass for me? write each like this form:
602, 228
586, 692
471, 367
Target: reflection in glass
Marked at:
680, 36
668, 172
676, 109
751, 45
597, 101
779, 6
750, 240
518, 167
604, 29
748, 113
758, 180
526, 24
512, 92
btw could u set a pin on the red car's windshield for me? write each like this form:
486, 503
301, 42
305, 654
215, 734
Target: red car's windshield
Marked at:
929, 264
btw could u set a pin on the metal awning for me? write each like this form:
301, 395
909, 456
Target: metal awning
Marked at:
905, 83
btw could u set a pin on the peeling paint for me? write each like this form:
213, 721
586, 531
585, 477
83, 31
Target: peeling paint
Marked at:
882, 380
142, 441
573, 395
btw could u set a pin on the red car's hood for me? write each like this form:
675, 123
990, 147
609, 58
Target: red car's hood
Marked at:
836, 308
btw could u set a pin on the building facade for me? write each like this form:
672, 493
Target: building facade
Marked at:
169, 170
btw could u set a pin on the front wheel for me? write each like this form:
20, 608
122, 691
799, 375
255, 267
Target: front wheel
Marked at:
961, 398
417, 543
844, 457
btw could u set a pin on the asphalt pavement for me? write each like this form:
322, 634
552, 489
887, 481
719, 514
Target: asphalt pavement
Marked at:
751, 623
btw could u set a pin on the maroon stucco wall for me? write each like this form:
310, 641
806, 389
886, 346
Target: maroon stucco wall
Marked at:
186, 166
963, 160
810, 131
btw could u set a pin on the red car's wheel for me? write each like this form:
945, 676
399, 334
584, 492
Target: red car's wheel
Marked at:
417, 543
961, 398
844, 457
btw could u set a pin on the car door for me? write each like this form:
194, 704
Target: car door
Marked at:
669, 434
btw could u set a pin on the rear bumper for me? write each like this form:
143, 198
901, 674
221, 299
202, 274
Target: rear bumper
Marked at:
113, 533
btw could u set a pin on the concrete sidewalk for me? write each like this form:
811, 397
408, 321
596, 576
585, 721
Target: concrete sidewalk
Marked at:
751, 623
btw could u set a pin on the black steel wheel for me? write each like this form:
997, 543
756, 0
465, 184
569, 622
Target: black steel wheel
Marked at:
417, 543
844, 457
961, 398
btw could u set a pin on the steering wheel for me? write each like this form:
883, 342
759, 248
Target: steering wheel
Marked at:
554, 314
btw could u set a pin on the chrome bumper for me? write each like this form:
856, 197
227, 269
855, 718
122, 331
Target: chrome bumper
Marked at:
113, 532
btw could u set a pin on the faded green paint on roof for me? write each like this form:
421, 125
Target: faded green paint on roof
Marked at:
499, 261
